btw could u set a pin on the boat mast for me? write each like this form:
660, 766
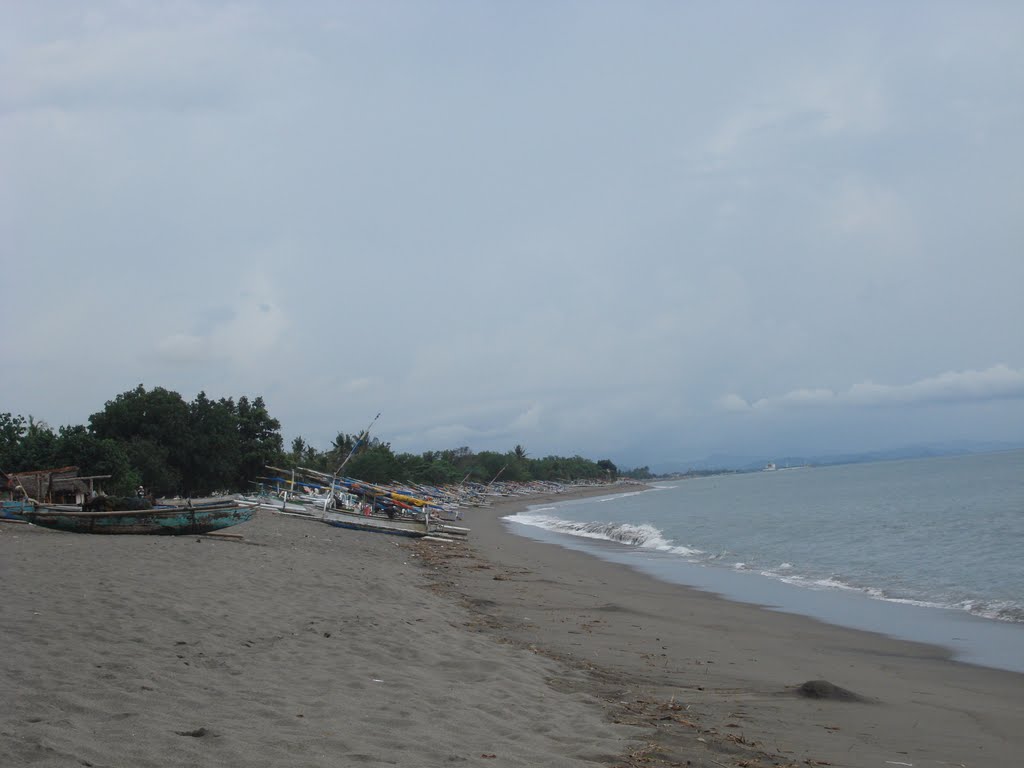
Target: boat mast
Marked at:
496, 477
359, 441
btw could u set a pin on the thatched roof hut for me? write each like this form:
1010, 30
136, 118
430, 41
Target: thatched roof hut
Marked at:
54, 486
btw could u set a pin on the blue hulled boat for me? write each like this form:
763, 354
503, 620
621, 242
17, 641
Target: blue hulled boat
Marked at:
168, 521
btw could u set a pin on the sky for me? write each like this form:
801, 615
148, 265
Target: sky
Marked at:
641, 231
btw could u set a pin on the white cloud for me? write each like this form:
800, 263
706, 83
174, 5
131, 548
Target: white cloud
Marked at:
996, 383
732, 402
999, 382
247, 334
528, 419
491, 257
846, 100
185, 348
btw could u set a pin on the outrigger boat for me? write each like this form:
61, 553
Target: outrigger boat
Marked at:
348, 503
400, 525
15, 510
168, 520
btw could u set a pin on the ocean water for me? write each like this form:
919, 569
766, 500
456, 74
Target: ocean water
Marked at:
930, 550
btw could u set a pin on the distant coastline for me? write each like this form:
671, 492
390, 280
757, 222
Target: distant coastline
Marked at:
722, 464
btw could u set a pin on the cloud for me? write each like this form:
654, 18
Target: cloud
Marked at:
530, 419
847, 100
185, 348
476, 245
733, 403
243, 334
999, 382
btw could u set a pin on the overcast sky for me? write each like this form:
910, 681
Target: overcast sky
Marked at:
638, 231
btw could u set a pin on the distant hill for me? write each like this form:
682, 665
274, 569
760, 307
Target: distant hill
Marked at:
750, 463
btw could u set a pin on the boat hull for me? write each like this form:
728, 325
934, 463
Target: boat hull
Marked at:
15, 510
167, 522
395, 526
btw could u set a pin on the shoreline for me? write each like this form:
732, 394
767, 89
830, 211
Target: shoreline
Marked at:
969, 638
734, 666
300, 644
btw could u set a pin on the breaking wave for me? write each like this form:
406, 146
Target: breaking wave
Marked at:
617, 497
631, 534
646, 536
1001, 610
1004, 610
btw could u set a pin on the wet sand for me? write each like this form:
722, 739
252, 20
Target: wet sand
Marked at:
735, 668
306, 645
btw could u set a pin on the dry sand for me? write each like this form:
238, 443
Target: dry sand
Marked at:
306, 645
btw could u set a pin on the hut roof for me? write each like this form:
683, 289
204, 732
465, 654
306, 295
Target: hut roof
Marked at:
40, 483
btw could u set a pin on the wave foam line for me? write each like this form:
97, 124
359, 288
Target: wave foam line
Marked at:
634, 535
616, 497
647, 536
997, 610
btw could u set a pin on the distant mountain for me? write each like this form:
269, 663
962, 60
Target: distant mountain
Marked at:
749, 463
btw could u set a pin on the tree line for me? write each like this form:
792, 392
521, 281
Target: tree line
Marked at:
155, 438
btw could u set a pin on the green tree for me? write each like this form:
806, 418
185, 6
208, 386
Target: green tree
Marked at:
155, 426
154, 467
12, 430
212, 463
376, 464
37, 448
638, 473
259, 440
75, 446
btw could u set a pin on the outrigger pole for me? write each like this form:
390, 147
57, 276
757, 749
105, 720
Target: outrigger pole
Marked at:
497, 476
359, 441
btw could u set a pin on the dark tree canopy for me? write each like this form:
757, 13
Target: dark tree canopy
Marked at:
157, 439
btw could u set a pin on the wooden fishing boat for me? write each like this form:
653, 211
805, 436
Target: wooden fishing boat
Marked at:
15, 510
399, 525
169, 521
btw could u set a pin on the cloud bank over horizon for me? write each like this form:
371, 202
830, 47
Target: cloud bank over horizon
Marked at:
996, 383
576, 227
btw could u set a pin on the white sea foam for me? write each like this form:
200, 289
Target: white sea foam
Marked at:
617, 496
646, 536
999, 610
630, 534
835, 530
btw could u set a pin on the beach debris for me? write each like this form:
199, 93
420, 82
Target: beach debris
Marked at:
823, 689
198, 733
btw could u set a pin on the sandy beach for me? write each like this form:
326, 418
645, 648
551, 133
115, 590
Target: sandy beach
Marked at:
305, 645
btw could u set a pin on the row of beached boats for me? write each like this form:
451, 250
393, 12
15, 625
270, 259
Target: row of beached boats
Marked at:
418, 511
206, 517
415, 510
343, 503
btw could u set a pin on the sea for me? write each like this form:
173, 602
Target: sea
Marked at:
929, 550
